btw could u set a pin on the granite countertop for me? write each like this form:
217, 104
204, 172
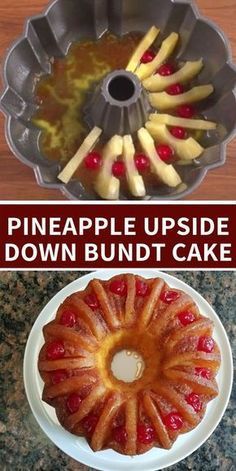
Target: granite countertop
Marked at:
23, 446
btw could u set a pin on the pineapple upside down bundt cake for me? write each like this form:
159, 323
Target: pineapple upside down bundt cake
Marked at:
165, 327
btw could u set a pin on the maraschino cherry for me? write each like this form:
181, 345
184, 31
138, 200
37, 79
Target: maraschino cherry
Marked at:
165, 152
59, 376
165, 70
55, 350
203, 372
120, 434
178, 132
148, 56
142, 288
173, 421
89, 423
176, 89
118, 287
118, 169
68, 318
186, 111
73, 402
93, 161
206, 344
142, 162
194, 401
186, 317
145, 433
92, 301
169, 297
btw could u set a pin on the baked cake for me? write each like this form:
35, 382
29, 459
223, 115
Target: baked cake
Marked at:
165, 327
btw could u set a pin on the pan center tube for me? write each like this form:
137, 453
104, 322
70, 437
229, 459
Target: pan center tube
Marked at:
119, 105
121, 88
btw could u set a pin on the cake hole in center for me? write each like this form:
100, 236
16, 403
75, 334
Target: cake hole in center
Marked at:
127, 366
121, 88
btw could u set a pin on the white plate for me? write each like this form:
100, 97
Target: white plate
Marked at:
108, 460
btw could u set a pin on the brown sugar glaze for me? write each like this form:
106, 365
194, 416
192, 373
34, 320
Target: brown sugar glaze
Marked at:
62, 97
63, 94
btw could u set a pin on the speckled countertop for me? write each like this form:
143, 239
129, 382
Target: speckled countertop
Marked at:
23, 446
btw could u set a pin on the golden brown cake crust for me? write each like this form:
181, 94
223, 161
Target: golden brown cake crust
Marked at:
165, 327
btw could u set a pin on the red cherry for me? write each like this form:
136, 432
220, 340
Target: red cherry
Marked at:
89, 423
203, 372
73, 402
55, 350
165, 152
186, 111
142, 162
118, 287
93, 161
166, 69
120, 435
176, 89
169, 297
59, 376
194, 401
148, 56
142, 289
146, 434
118, 169
68, 318
178, 132
206, 344
92, 301
173, 421
186, 317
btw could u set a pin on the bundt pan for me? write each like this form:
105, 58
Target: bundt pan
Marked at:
65, 21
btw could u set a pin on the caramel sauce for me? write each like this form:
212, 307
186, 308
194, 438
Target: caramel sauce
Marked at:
63, 94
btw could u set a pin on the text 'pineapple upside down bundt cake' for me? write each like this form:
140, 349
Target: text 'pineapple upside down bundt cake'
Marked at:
164, 326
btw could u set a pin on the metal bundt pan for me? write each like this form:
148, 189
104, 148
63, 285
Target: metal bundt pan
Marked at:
65, 21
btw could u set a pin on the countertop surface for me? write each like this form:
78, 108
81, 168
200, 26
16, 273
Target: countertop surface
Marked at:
23, 446
18, 181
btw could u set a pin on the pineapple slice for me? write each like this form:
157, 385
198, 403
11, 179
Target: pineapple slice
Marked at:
157, 83
146, 42
108, 186
135, 181
166, 49
86, 146
187, 149
163, 101
165, 172
198, 124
